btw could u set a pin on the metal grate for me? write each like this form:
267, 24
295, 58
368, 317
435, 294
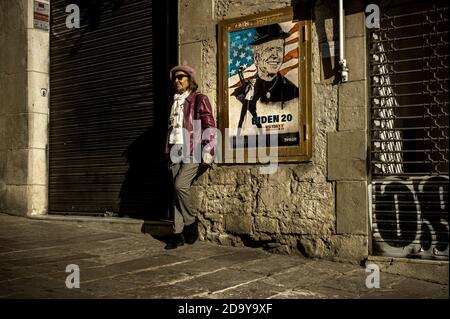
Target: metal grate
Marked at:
105, 145
409, 96
409, 130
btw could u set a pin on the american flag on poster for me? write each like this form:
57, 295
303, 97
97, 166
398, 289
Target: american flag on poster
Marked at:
240, 54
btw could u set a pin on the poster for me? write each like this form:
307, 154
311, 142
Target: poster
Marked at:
262, 81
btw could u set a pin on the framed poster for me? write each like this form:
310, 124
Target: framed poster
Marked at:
265, 85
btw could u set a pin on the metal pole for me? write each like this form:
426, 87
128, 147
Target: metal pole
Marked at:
342, 61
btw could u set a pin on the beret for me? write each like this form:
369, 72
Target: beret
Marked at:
185, 68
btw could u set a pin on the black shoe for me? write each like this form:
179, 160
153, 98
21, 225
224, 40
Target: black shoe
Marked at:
191, 232
176, 241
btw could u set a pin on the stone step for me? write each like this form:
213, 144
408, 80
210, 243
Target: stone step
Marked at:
428, 270
120, 224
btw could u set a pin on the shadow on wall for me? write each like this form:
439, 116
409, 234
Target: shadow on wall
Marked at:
144, 191
328, 47
329, 56
90, 15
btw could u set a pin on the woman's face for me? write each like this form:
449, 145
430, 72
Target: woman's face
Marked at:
181, 81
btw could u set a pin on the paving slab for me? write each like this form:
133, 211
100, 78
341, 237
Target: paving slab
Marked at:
114, 264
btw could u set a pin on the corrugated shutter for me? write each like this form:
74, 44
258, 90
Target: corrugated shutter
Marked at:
105, 142
409, 135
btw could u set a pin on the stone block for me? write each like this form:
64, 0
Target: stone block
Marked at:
191, 54
289, 226
309, 172
274, 198
14, 89
38, 51
3, 189
352, 118
318, 226
2, 180
351, 208
38, 130
223, 176
312, 247
355, 24
37, 200
3, 146
347, 170
243, 177
13, 15
313, 190
233, 9
353, 248
16, 199
16, 131
355, 54
3, 158
195, 20
3, 106
316, 210
347, 155
37, 167
239, 224
13, 55
16, 167
266, 225
347, 145
245, 194
353, 94
325, 118
282, 175
36, 101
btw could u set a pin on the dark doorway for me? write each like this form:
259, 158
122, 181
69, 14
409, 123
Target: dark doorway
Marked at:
108, 98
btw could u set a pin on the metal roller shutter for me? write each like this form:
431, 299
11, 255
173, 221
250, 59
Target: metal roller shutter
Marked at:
105, 138
409, 135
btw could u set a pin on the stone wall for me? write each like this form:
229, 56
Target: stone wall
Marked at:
23, 110
317, 208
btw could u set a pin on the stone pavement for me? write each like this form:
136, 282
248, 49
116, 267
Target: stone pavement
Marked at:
34, 255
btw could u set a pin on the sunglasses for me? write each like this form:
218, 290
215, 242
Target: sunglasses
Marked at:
180, 76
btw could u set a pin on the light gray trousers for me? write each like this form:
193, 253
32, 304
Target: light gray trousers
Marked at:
183, 174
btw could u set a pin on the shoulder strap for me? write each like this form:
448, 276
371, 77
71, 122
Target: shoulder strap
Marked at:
196, 106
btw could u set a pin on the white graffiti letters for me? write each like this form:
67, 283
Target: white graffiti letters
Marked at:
410, 217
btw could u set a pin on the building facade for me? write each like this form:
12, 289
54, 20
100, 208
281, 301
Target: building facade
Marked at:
81, 132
